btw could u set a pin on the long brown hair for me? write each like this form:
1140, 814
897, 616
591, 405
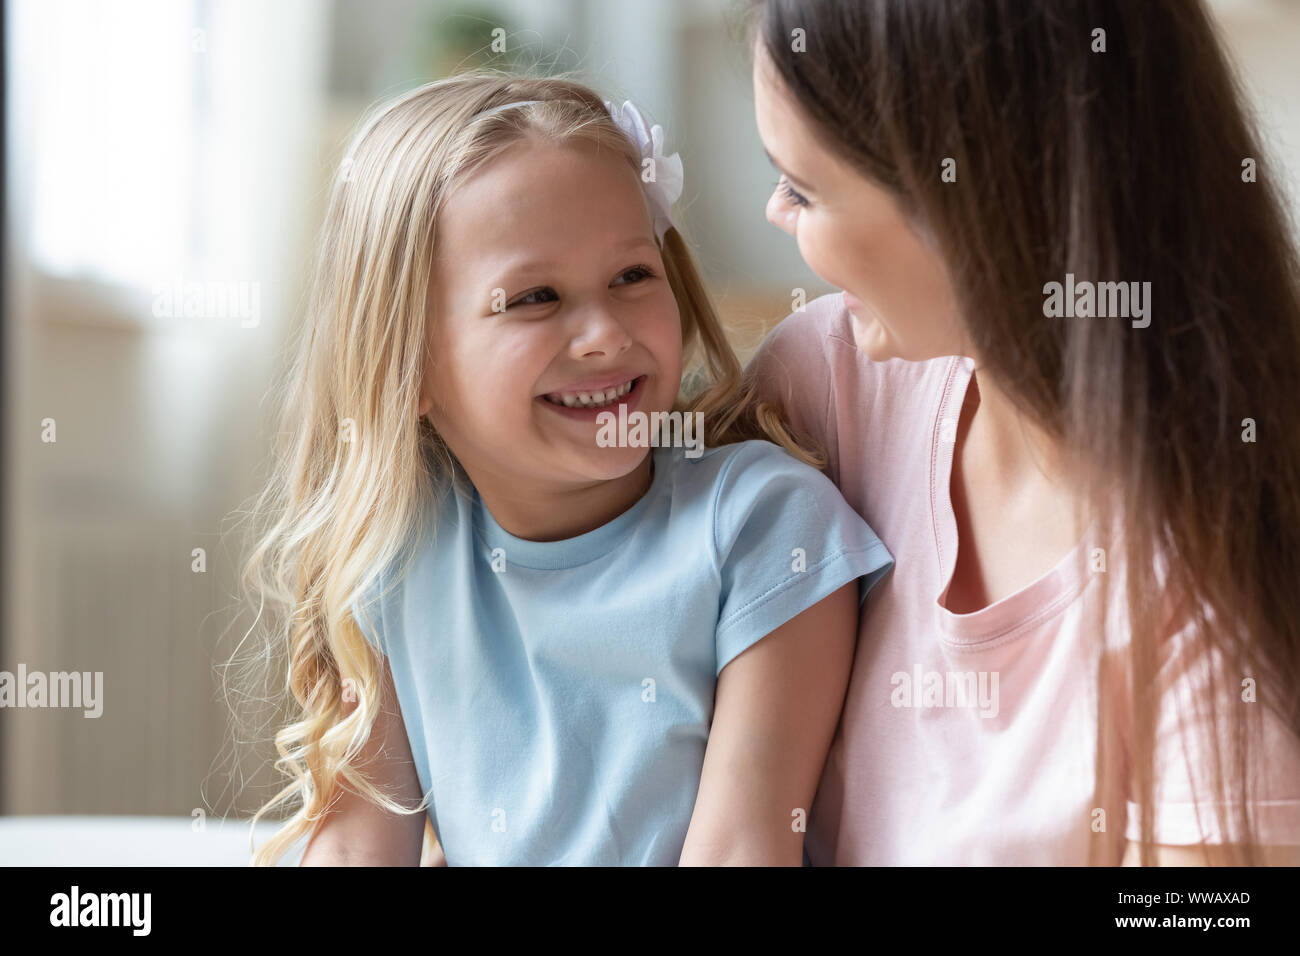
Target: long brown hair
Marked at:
1123, 165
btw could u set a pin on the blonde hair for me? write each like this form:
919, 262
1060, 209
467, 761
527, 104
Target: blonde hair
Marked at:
355, 476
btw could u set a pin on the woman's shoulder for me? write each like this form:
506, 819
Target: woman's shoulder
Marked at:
809, 337
854, 407
811, 362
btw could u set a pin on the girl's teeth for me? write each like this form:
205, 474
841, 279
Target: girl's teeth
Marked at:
594, 399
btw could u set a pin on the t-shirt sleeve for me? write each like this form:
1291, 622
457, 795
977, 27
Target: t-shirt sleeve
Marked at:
789, 370
785, 538
1185, 761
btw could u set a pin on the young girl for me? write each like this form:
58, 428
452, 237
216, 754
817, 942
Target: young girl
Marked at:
550, 641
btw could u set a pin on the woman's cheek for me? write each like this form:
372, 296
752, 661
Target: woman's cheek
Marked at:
820, 251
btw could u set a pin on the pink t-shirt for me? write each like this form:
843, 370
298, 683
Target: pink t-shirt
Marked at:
971, 738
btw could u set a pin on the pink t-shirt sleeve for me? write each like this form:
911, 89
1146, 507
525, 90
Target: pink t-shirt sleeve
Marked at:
1185, 761
789, 370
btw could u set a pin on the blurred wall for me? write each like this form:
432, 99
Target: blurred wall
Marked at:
158, 425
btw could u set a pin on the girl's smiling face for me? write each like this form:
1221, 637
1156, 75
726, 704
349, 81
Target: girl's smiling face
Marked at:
548, 292
852, 233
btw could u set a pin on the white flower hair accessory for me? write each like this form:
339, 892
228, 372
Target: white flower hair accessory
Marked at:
665, 185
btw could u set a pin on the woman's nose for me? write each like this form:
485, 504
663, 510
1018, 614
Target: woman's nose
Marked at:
780, 214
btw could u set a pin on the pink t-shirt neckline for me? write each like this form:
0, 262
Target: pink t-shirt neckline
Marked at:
1018, 612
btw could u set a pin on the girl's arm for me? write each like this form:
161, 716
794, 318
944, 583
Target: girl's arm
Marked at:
432, 854
775, 712
355, 832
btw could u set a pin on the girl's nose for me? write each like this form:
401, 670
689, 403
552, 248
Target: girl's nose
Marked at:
600, 333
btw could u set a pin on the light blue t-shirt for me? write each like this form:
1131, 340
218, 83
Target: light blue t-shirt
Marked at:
558, 695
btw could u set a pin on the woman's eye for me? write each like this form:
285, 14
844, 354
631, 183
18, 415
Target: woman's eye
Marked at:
633, 275
536, 297
790, 193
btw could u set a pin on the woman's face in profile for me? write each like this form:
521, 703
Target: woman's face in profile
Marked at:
852, 234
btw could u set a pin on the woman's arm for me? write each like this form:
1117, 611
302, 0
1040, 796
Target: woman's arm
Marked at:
355, 832
775, 711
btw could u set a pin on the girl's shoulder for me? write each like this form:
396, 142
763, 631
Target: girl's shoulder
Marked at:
754, 482
754, 463
780, 537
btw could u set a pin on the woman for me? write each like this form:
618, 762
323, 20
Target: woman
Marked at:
1057, 385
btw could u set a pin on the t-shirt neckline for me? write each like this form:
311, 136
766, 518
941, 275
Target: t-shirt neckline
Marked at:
576, 551
1019, 611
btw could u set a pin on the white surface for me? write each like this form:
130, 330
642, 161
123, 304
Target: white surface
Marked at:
130, 841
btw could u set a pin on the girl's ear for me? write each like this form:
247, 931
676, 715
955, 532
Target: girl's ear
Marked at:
426, 393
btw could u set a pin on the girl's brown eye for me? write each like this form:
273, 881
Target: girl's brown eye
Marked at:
640, 272
529, 298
